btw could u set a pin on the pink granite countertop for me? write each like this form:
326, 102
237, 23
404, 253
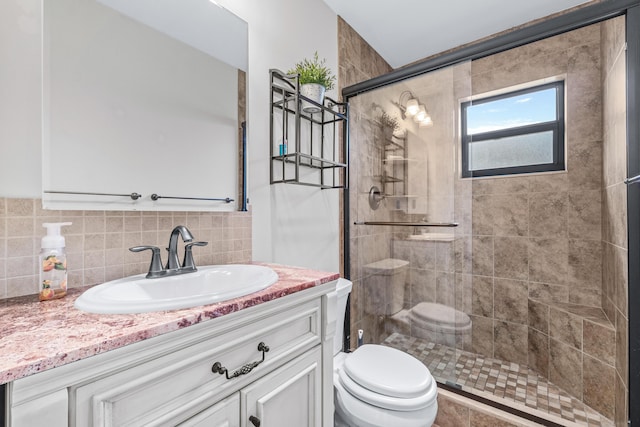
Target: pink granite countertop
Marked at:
37, 336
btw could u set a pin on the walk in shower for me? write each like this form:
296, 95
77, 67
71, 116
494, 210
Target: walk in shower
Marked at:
511, 287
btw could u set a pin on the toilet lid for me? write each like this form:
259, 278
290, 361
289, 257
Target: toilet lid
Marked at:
388, 372
440, 314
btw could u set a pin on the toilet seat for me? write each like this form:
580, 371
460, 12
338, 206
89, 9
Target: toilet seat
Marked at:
406, 386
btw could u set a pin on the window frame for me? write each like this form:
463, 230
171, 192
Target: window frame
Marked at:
557, 127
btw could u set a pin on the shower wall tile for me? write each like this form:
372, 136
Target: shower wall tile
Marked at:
599, 341
538, 316
482, 296
538, 352
510, 341
548, 260
584, 215
599, 386
548, 214
511, 257
482, 255
565, 367
482, 337
510, 300
565, 327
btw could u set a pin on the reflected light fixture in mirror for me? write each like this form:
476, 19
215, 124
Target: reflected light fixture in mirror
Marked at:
410, 106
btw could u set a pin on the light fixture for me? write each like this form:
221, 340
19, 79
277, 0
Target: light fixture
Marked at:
410, 106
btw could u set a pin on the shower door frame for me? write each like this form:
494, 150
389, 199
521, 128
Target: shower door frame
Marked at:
579, 18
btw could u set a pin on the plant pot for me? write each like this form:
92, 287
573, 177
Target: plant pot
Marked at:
314, 92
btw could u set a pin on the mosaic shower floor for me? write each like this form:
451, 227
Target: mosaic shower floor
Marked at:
504, 382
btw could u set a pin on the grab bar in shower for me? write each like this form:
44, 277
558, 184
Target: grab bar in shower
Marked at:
408, 224
632, 180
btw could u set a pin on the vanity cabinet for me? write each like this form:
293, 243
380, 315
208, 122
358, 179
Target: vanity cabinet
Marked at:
170, 379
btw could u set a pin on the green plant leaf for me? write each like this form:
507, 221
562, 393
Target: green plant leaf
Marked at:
314, 71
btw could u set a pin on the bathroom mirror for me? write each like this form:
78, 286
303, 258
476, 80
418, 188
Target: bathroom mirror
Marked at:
144, 97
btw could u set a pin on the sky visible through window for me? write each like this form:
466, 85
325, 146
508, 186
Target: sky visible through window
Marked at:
515, 111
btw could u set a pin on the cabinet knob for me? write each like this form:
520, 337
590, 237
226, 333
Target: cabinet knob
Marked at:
255, 421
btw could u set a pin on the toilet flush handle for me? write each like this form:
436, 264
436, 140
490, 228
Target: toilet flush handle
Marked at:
255, 421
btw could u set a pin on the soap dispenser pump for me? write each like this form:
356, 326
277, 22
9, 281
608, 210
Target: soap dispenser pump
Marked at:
53, 263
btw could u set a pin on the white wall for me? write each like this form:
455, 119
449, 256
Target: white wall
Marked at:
20, 96
295, 225
291, 225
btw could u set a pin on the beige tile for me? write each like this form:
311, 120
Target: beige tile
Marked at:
550, 182
482, 300
622, 397
94, 259
21, 227
538, 316
585, 263
26, 285
480, 419
622, 347
482, 256
565, 327
565, 367
94, 242
482, 335
599, 342
21, 266
132, 224
21, 247
511, 257
510, 341
548, 214
584, 164
114, 224
20, 207
584, 215
599, 386
511, 215
94, 224
538, 352
548, 260
510, 300
451, 414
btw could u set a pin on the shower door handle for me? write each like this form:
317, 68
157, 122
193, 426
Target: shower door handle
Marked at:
632, 180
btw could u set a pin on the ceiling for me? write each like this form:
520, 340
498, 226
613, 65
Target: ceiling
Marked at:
404, 31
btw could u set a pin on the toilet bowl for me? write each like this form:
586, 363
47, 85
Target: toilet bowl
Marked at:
379, 386
440, 324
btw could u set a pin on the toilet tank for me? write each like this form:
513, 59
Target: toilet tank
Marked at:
343, 288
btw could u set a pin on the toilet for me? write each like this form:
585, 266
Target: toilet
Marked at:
384, 289
379, 386
440, 324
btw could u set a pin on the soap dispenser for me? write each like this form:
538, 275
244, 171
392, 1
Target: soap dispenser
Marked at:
53, 263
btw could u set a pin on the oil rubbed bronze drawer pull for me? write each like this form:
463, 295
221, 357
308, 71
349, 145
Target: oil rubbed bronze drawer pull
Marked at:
217, 367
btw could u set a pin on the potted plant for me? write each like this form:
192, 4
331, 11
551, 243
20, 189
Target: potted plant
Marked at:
389, 125
315, 79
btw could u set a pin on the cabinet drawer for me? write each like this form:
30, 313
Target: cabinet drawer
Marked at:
176, 386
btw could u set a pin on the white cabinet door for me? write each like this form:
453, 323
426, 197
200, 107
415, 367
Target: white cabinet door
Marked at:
287, 397
225, 413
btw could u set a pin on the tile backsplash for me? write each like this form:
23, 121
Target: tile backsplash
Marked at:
97, 241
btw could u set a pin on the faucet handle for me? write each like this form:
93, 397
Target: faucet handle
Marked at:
155, 268
188, 262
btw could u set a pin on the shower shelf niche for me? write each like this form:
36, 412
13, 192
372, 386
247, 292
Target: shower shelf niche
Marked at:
306, 148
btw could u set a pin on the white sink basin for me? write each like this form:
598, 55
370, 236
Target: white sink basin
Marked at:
208, 285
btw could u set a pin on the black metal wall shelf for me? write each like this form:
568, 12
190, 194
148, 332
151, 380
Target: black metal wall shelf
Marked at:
307, 148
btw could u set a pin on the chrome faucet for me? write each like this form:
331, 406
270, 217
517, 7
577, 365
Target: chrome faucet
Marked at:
173, 266
172, 260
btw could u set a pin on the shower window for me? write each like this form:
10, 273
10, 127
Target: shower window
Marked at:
517, 132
